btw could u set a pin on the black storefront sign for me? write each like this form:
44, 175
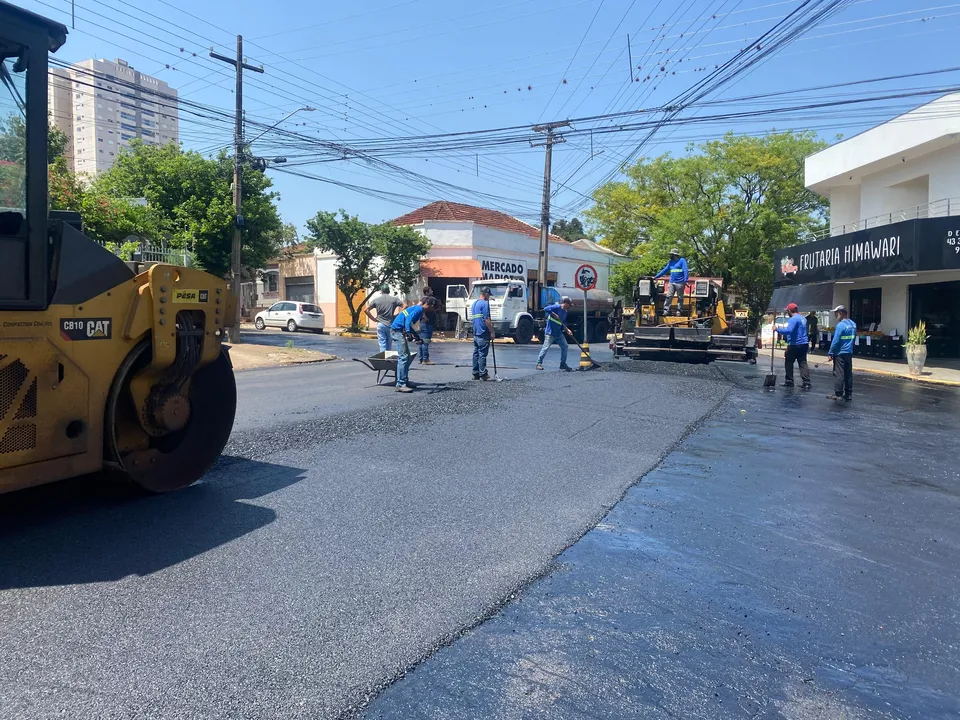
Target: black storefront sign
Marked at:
939, 243
877, 251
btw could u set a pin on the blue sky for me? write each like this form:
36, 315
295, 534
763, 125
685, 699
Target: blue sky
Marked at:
382, 68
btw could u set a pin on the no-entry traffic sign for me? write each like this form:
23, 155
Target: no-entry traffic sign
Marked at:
586, 277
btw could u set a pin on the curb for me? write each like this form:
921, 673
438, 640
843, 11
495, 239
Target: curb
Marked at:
922, 380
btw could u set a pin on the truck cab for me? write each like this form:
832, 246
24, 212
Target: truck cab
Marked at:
510, 308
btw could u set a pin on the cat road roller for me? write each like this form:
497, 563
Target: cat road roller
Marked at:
101, 368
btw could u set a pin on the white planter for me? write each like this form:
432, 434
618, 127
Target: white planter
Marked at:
916, 357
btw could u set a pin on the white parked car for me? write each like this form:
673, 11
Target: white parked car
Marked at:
291, 316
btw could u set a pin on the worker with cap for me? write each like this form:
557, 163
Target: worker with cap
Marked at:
386, 306
676, 269
556, 317
427, 324
795, 334
402, 332
841, 352
483, 333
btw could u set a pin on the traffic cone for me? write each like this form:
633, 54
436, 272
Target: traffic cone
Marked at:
586, 362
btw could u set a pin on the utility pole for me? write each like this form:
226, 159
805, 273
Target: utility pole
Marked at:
235, 264
548, 143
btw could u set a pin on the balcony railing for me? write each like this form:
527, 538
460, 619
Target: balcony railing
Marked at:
937, 208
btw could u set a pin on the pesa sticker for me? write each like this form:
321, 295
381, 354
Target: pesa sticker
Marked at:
191, 296
86, 328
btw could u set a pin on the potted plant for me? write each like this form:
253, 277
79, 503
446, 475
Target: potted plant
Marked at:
917, 348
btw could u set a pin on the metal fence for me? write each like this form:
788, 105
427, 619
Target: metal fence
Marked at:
182, 257
938, 208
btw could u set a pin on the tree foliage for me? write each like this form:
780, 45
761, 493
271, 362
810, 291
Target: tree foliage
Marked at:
728, 204
367, 255
192, 197
571, 230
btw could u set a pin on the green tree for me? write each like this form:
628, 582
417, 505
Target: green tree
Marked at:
13, 140
367, 255
192, 197
571, 230
728, 204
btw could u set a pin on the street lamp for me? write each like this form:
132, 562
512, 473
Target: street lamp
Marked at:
305, 108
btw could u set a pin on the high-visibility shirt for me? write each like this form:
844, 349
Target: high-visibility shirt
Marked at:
676, 269
407, 318
795, 333
555, 316
844, 335
480, 311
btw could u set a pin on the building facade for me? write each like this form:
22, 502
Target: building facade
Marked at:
892, 254
101, 105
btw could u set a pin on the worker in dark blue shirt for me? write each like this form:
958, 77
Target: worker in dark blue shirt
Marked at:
676, 269
402, 332
841, 352
556, 317
483, 333
795, 334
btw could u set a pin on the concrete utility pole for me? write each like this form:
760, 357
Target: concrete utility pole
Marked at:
235, 264
545, 207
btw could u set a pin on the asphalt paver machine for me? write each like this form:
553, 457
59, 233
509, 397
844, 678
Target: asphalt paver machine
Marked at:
695, 329
101, 368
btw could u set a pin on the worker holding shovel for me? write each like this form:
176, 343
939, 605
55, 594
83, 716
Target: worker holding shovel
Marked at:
556, 316
402, 332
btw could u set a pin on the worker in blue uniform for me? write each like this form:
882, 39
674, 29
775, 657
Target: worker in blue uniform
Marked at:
483, 333
676, 269
402, 332
556, 318
841, 352
795, 333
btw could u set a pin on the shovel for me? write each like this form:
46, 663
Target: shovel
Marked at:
496, 376
770, 380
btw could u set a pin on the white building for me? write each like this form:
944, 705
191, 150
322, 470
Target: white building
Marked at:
471, 243
101, 105
892, 255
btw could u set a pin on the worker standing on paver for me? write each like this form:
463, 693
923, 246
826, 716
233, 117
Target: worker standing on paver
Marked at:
483, 333
676, 269
556, 317
403, 332
386, 306
427, 324
795, 333
841, 352
812, 330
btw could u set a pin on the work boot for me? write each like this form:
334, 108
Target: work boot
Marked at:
539, 366
429, 362
565, 368
476, 376
835, 398
404, 389
788, 384
807, 386
485, 376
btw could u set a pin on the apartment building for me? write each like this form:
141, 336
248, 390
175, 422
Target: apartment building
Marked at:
101, 105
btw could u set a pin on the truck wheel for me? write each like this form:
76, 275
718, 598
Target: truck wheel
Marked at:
524, 333
600, 331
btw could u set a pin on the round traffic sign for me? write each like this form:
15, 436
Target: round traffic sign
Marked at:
586, 277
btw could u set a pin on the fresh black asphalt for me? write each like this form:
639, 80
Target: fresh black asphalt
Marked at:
351, 531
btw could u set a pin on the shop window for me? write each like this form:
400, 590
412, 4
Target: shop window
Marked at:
865, 307
271, 282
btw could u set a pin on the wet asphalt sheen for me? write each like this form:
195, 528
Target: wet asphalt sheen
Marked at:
796, 560
792, 559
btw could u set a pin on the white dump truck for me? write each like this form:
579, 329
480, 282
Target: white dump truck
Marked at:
513, 315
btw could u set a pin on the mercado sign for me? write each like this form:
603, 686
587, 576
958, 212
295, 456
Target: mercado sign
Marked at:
502, 268
911, 246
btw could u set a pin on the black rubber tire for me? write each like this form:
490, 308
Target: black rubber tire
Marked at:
600, 331
291, 325
181, 458
524, 332
260, 324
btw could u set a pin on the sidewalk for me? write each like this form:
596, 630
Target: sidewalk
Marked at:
938, 371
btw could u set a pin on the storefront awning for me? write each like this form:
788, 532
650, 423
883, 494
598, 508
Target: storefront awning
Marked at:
451, 268
807, 297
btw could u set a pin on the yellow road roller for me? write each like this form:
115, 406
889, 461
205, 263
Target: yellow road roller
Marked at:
102, 367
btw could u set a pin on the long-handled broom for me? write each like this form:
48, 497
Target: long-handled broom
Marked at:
770, 380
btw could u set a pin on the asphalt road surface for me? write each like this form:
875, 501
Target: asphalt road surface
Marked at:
349, 532
797, 560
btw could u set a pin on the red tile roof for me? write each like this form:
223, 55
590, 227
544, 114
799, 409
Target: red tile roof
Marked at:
290, 251
457, 212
